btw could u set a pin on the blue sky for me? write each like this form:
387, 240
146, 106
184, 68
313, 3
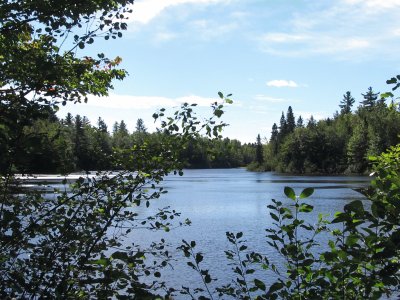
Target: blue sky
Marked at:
268, 54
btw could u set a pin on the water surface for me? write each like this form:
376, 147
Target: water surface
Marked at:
221, 200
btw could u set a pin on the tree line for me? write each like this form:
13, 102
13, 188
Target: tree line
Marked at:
52, 145
341, 144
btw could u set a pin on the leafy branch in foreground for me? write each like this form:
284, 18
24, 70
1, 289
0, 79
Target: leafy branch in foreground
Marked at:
360, 260
77, 243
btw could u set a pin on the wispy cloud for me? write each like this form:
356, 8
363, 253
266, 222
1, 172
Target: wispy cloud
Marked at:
164, 36
279, 37
282, 83
145, 11
210, 29
345, 29
374, 6
145, 102
270, 99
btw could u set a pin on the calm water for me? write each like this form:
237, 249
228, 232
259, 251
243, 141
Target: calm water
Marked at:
221, 200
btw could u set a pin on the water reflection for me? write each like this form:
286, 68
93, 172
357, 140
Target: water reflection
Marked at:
221, 200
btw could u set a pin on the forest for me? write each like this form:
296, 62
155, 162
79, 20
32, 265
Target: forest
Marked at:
61, 146
337, 145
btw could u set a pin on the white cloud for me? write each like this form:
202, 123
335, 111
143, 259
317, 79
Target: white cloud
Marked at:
282, 83
146, 10
374, 5
126, 102
280, 37
270, 99
344, 29
208, 29
164, 36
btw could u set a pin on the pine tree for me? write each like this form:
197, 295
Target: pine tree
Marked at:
300, 122
283, 126
122, 128
69, 119
101, 125
259, 151
346, 103
274, 133
140, 128
290, 120
115, 128
274, 138
369, 98
311, 122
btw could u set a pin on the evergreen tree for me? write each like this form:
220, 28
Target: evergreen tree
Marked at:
140, 128
78, 126
300, 122
122, 128
274, 138
290, 120
85, 121
69, 119
101, 125
283, 126
369, 99
274, 133
121, 138
259, 151
115, 128
311, 122
346, 103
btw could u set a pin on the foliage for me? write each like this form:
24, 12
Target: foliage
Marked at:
259, 151
346, 103
69, 145
360, 260
338, 145
74, 244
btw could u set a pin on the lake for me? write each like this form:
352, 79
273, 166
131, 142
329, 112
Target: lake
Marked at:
220, 200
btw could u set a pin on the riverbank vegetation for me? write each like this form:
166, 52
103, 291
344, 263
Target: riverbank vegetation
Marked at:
336, 145
52, 145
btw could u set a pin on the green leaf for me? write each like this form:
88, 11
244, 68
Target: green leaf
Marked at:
274, 216
355, 206
351, 240
378, 209
289, 192
199, 258
259, 284
306, 193
306, 208
340, 217
120, 255
221, 95
207, 278
275, 287
387, 95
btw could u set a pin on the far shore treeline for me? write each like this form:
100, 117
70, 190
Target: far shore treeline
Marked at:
336, 145
74, 143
